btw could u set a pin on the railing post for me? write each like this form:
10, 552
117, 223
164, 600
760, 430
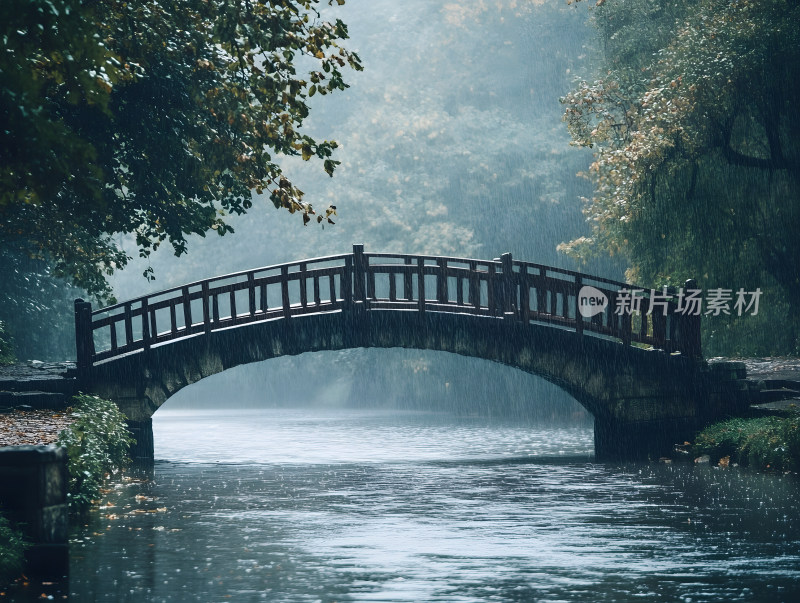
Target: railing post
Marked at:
359, 294
578, 315
84, 339
509, 291
688, 328
441, 282
421, 284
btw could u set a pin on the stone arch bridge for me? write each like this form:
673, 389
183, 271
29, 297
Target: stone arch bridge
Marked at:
640, 375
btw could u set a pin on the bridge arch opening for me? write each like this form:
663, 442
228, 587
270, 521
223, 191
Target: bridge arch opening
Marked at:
410, 391
392, 378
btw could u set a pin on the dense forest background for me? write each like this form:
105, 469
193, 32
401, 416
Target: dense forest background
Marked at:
452, 140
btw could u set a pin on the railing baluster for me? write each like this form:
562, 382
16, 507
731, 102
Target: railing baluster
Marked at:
491, 283
408, 289
128, 325
392, 286
421, 284
626, 329
659, 330
524, 295
332, 284
673, 330
251, 293
145, 325
113, 335
153, 325
232, 295
287, 309
303, 286
509, 286
370, 276
317, 300
187, 308
358, 273
474, 286
206, 309
173, 319
346, 285
541, 292
215, 307
578, 315
263, 298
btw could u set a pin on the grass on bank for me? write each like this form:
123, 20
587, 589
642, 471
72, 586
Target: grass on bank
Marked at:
12, 552
7, 355
769, 443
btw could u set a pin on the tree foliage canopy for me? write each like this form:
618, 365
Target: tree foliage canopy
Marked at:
694, 123
153, 118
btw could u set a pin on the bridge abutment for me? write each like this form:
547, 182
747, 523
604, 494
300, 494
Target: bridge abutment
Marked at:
618, 441
142, 451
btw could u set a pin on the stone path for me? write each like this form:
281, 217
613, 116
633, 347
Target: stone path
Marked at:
776, 381
36, 385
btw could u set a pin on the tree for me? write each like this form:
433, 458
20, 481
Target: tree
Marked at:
156, 119
697, 143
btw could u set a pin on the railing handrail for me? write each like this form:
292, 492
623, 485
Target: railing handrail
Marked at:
498, 287
199, 283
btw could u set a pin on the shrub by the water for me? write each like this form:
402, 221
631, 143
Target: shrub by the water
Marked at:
12, 551
7, 355
763, 443
97, 444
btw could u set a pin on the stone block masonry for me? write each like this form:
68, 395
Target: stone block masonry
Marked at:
33, 495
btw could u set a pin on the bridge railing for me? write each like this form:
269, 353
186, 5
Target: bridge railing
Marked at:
502, 288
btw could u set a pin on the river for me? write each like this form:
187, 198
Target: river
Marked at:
353, 505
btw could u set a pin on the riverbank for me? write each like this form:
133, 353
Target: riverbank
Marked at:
767, 438
40, 483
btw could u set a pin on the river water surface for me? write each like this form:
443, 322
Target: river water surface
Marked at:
347, 505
